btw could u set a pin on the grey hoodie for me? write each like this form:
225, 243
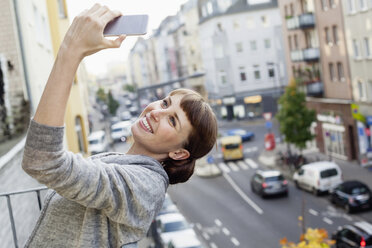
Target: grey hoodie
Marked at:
107, 200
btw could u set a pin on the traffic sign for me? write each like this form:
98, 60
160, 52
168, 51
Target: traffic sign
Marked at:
267, 116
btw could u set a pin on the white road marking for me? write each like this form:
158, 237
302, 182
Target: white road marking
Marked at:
199, 226
235, 241
243, 195
243, 165
251, 163
255, 148
218, 222
233, 166
347, 217
213, 245
250, 149
226, 231
328, 221
219, 155
205, 235
224, 167
313, 212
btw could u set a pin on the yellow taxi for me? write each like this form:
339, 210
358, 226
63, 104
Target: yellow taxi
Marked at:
232, 147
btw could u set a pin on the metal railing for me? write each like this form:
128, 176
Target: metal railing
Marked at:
10, 209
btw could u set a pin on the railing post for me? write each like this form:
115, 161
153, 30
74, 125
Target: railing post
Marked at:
38, 199
12, 221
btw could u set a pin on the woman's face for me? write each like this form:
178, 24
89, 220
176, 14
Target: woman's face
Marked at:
162, 127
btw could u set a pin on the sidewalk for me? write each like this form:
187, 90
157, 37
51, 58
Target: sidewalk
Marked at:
350, 169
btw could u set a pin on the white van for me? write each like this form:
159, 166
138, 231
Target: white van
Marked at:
121, 131
318, 177
97, 142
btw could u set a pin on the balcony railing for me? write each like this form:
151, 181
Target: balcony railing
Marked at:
311, 54
10, 209
303, 21
314, 89
297, 56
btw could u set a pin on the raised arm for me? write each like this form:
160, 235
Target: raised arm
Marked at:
83, 38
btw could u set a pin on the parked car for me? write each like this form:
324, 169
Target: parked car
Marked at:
244, 134
358, 235
168, 206
318, 177
125, 116
181, 241
269, 182
352, 195
171, 225
232, 148
97, 142
121, 131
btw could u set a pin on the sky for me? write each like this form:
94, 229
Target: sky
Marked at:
156, 9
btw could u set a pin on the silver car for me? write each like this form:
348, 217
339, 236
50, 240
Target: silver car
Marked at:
269, 182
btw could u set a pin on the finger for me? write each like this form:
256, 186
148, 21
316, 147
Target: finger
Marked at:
109, 16
101, 11
114, 43
94, 8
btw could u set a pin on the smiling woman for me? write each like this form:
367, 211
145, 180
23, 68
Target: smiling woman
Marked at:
110, 199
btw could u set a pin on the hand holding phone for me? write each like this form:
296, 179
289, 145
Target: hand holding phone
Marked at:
127, 25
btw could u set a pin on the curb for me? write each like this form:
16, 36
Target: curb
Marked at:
8, 156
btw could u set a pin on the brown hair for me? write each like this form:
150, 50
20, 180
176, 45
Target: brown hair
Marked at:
201, 139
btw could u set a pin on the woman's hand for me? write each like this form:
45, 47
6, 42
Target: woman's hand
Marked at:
85, 35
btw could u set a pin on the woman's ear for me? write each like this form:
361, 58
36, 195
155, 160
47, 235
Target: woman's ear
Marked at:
180, 154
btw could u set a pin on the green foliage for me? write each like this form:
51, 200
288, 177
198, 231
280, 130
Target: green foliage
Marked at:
101, 95
294, 117
129, 88
113, 105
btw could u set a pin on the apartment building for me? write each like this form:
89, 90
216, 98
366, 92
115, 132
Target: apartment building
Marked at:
318, 60
234, 35
76, 118
358, 31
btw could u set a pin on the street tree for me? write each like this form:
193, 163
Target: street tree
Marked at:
129, 88
113, 104
294, 117
101, 95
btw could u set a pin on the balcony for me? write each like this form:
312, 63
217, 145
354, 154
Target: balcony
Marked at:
297, 56
311, 54
303, 21
314, 89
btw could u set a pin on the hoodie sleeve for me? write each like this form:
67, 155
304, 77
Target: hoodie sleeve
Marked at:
124, 192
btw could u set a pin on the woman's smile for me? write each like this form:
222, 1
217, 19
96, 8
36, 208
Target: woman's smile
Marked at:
145, 124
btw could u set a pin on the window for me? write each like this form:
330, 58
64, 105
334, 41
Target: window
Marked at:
361, 90
209, 8
239, 47
335, 34
222, 76
236, 25
356, 48
366, 47
328, 36
219, 53
290, 43
256, 72
79, 133
253, 44
265, 21
267, 43
370, 89
363, 5
62, 9
340, 72
332, 72
332, 3
295, 41
292, 9
286, 10
351, 6
271, 73
324, 5
242, 74
250, 23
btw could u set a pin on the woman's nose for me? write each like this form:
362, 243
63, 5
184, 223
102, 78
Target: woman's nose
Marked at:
156, 114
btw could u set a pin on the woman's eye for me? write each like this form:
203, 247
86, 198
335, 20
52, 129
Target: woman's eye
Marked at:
173, 121
164, 103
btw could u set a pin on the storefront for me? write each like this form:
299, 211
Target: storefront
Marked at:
335, 129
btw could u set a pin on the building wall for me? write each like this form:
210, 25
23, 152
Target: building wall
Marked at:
333, 52
37, 45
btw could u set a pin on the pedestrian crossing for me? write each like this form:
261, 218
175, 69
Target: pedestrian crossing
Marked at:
238, 165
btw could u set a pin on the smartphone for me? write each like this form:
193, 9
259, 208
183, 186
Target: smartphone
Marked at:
128, 25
